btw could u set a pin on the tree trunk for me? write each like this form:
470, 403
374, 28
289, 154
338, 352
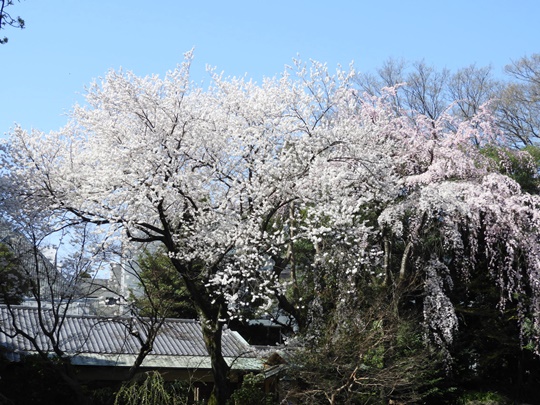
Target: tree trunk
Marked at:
404, 258
212, 332
67, 374
212, 329
388, 277
143, 352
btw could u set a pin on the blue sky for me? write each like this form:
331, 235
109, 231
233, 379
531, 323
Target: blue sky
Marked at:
67, 43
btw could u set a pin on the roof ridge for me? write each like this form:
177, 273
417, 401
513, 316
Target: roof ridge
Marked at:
30, 308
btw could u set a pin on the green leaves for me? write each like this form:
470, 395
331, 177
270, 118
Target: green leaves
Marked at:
13, 282
165, 293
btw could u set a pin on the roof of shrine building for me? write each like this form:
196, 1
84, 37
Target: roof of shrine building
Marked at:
114, 341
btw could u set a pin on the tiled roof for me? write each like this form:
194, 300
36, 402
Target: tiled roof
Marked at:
100, 337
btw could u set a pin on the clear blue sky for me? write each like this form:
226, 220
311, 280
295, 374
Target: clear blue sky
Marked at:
67, 43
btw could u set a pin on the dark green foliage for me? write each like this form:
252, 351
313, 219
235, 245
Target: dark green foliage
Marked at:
165, 291
488, 352
103, 395
365, 353
13, 283
251, 392
521, 165
369, 346
32, 382
483, 398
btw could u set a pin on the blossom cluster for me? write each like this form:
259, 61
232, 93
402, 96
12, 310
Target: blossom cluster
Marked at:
230, 178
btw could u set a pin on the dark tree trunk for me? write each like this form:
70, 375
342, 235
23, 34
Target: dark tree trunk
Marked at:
143, 352
209, 312
67, 373
212, 332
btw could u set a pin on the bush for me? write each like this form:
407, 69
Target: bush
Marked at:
251, 392
32, 381
152, 391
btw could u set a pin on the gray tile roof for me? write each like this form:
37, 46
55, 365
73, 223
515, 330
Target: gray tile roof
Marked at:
92, 337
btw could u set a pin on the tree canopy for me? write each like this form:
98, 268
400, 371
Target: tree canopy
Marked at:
274, 194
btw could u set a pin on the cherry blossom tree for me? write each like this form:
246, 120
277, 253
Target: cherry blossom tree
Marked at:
437, 213
232, 178
202, 172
